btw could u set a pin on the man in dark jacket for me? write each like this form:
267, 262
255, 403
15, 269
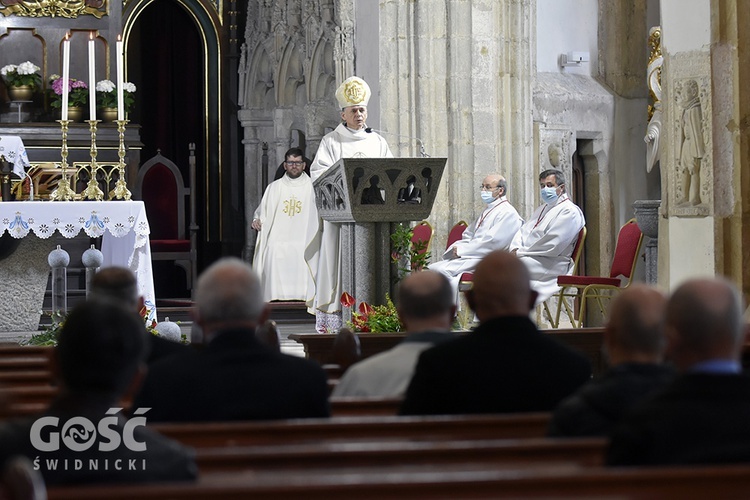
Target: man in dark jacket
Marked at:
235, 377
634, 344
702, 416
506, 364
83, 436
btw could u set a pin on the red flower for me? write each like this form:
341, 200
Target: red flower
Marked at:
347, 300
365, 308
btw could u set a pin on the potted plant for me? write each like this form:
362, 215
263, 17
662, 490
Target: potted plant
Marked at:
22, 80
78, 96
374, 319
106, 98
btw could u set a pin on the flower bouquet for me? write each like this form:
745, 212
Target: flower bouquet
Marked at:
25, 74
374, 319
78, 95
106, 95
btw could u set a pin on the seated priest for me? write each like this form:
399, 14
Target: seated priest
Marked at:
287, 223
545, 242
493, 230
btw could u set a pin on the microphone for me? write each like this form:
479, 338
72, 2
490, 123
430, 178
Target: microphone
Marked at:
422, 151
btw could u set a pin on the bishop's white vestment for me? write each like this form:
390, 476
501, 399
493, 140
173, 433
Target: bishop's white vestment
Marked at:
290, 226
342, 142
493, 230
545, 244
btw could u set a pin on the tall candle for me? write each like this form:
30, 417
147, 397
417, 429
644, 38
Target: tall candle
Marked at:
65, 77
120, 80
92, 78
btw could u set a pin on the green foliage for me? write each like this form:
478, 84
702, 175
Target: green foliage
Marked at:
408, 256
48, 336
376, 319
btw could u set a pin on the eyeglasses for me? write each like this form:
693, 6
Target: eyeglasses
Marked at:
294, 163
487, 188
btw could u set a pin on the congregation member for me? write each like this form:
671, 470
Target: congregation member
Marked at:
235, 376
493, 230
119, 286
505, 365
348, 140
425, 307
634, 345
99, 360
702, 416
545, 242
287, 223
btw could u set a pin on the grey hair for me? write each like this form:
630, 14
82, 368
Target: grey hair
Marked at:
559, 175
229, 291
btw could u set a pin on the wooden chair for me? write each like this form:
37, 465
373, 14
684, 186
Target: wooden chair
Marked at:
576, 256
161, 187
602, 288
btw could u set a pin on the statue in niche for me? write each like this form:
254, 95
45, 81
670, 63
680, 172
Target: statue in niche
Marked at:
692, 148
554, 153
373, 195
410, 193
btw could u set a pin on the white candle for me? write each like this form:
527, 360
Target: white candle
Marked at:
120, 80
92, 78
65, 77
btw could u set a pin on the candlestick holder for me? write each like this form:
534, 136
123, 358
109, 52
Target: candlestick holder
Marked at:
121, 191
92, 191
63, 192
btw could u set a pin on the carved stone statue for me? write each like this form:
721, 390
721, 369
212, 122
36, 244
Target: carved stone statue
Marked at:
554, 152
693, 147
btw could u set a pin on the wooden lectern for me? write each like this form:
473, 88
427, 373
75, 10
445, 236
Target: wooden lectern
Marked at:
365, 196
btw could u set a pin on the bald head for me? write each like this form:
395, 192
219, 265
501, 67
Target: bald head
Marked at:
228, 294
425, 301
497, 184
635, 328
704, 322
501, 287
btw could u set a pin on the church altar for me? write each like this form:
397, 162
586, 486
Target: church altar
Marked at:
122, 225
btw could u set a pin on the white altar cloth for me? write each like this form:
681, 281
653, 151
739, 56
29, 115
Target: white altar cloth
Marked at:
12, 148
122, 224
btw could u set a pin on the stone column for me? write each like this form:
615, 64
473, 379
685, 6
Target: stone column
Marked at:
461, 73
647, 218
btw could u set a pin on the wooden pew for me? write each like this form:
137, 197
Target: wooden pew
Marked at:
440, 482
337, 455
319, 347
350, 407
354, 429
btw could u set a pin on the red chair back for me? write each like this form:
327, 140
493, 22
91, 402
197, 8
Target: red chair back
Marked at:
626, 251
159, 194
456, 233
422, 232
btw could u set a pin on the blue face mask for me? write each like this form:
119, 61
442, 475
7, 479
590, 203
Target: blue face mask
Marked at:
486, 196
549, 195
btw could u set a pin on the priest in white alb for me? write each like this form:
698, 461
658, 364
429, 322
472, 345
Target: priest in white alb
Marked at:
545, 242
288, 225
349, 139
493, 230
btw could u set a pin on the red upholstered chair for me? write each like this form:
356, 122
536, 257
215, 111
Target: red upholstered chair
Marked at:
421, 238
577, 251
601, 288
456, 233
161, 187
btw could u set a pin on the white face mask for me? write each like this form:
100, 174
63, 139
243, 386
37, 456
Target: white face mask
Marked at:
486, 196
549, 195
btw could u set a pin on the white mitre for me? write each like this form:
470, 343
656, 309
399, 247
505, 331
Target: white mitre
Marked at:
354, 91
